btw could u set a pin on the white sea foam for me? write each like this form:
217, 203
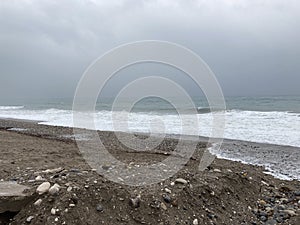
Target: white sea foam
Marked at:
280, 128
11, 107
265, 127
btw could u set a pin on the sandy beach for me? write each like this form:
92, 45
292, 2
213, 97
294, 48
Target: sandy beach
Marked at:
226, 193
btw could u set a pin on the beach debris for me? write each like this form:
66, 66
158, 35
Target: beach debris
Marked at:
43, 188
181, 181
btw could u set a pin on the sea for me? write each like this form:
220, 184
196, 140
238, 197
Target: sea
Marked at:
263, 119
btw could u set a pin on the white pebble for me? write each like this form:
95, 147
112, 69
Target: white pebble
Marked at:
38, 202
43, 188
168, 190
195, 222
39, 178
181, 181
53, 211
29, 218
54, 189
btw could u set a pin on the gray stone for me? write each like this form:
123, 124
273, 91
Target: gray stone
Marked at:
167, 198
181, 181
54, 189
43, 188
13, 197
271, 222
290, 212
99, 208
135, 202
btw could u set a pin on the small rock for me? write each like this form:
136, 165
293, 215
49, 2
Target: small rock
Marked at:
39, 178
284, 189
163, 206
168, 190
263, 218
43, 188
99, 208
217, 170
211, 216
167, 198
54, 189
38, 202
69, 189
195, 222
262, 202
56, 170
297, 193
72, 205
53, 211
289, 212
135, 202
29, 219
181, 181
271, 222
269, 210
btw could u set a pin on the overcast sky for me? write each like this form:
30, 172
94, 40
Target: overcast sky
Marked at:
253, 46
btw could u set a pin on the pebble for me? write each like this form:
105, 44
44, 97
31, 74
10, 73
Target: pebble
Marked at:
289, 212
72, 205
29, 219
271, 222
38, 202
56, 170
195, 222
99, 208
135, 202
168, 190
217, 171
163, 206
262, 202
263, 218
69, 189
54, 189
181, 181
38, 178
166, 198
43, 188
53, 211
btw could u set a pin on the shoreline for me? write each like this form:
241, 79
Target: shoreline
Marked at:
226, 193
249, 153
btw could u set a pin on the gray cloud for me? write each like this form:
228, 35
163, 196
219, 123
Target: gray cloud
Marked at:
253, 46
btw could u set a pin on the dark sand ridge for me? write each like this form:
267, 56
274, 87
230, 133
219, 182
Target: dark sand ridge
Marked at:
226, 193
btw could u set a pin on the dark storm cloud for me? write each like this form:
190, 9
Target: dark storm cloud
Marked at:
253, 46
